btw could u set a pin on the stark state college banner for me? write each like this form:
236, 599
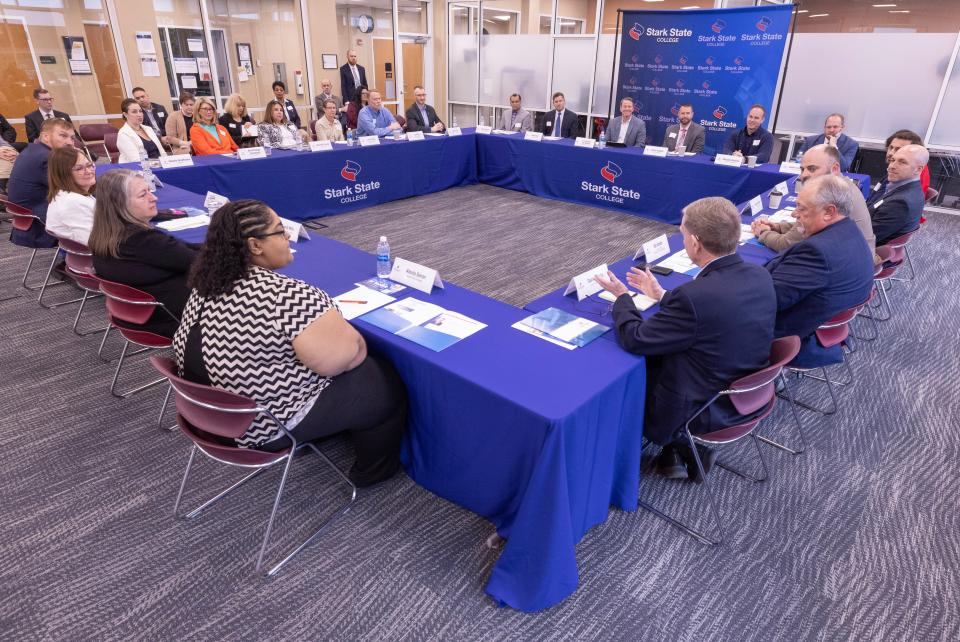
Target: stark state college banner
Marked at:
721, 61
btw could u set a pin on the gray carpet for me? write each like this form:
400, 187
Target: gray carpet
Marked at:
855, 539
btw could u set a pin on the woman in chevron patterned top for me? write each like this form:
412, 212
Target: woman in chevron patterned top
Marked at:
248, 329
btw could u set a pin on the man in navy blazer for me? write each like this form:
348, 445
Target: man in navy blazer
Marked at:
896, 209
707, 333
561, 121
28, 180
833, 135
628, 129
828, 272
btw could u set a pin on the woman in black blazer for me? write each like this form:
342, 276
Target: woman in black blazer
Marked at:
128, 250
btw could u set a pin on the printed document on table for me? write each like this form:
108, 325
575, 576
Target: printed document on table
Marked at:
680, 263
783, 216
641, 300
442, 331
185, 223
383, 285
361, 300
746, 233
565, 327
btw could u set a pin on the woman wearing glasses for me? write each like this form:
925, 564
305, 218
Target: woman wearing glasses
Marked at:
251, 330
207, 135
71, 178
133, 139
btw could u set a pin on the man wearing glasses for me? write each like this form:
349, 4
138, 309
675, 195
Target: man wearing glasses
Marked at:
45, 111
421, 116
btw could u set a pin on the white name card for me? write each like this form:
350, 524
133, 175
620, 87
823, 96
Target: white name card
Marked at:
367, 141
788, 167
483, 129
756, 205
176, 160
213, 201
653, 249
584, 284
246, 153
417, 276
320, 146
782, 188
454, 131
729, 160
418, 135
654, 150
294, 230
537, 136
584, 142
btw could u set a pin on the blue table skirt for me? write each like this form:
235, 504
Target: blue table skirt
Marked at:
657, 188
304, 185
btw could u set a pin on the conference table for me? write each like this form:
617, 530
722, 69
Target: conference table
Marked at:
537, 439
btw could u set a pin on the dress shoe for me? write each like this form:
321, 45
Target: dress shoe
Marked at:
669, 464
708, 457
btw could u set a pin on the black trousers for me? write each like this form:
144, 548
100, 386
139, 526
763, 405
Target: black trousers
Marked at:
369, 403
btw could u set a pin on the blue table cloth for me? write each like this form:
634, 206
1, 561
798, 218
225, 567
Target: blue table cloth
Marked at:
620, 179
304, 185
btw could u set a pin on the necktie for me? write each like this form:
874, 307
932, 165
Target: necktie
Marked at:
556, 124
356, 75
513, 118
681, 136
48, 116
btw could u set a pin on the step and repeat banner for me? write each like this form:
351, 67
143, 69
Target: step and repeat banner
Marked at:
721, 61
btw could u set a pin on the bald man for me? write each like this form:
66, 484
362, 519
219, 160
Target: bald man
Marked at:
819, 160
897, 209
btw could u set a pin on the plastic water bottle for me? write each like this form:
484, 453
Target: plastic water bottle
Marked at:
267, 147
383, 259
396, 134
148, 176
603, 139
349, 138
482, 121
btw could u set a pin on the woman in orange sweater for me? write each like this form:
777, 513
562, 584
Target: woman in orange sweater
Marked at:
207, 135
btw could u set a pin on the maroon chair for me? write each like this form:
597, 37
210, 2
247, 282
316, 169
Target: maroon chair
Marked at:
21, 219
882, 280
750, 394
401, 120
80, 268
212, 418
313, 129
97, 135
901, 256
110, 145
134, 307
82, 258
832, 332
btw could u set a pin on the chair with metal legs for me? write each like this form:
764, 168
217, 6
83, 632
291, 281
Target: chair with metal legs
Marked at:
832, 332
80, 269
212, 418
133, 307
882, 281
901, 256
750, 395
22, 219
82, 258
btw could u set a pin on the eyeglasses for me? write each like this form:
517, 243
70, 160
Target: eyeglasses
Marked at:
46, 100
268, 234
84, 168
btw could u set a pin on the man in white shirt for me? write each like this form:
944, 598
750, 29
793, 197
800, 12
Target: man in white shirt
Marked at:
561, 122
627, 130
685, 132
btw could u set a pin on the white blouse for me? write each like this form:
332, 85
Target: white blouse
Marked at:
70, 215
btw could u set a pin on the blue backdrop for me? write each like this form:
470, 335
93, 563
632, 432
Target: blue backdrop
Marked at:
719, 60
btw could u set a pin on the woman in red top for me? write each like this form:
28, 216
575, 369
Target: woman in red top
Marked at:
207, 135
358, 102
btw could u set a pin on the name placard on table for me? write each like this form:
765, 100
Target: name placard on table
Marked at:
246, 153
176, 160
537, 136
454, 131
729, 160
483, 129
417, 135
756, 205
653, 249
655, 150
418, 277
367, 141
294, 230
320, 146
582, 141
584, 284
788, 167
213, 201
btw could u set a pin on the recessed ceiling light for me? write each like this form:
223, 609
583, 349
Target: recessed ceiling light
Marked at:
884, 5
900, 11
818, 15
803, 11
696, 6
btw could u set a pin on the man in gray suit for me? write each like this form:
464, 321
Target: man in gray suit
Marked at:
628, 129
517, 119
685, 132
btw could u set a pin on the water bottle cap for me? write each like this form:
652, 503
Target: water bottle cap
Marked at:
383, 239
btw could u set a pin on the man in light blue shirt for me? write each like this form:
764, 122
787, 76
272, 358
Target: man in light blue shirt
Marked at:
373, 120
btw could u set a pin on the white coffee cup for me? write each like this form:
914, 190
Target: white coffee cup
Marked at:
775, 198
751, 161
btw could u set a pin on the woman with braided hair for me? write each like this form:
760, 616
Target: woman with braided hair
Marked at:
248, 329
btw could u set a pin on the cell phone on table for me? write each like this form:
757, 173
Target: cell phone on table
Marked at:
662, 271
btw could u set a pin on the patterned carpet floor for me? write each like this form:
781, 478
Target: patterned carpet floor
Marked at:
858, 538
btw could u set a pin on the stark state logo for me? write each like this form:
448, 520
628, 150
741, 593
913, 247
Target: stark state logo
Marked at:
350, 170
675, 110
636, 31
720, 111
610, 172
718, 26
683, 60
738, 60
764, 23
709, 60
706, 84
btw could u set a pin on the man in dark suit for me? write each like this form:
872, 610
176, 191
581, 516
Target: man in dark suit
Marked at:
627, 130
154, 115
561, 121
28, 180
685, 132
421, 116
707, 333
828, 272
352, 76
896, 209
45, 111
753, 139
280, 93
833, 136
